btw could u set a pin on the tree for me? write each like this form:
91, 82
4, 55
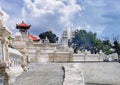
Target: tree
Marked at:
86, 40
117, 49
50, 35
107, 46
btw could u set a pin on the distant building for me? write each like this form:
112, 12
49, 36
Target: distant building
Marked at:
23, 27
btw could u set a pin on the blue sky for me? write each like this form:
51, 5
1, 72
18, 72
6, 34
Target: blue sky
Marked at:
101, 16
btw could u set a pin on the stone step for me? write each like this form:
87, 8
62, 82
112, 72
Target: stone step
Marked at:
73, 76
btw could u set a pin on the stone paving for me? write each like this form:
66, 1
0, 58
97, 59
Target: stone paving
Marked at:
41, 74
70, 74
51, 74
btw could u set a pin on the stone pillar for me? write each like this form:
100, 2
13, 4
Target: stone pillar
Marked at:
71, 55
24, 62
85, 55
4, 70
100, 55
3, 50
5, 54
54, 57
6, 51
6, 79
37, 54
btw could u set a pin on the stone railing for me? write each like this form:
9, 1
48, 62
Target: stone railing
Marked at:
87, 57
94, 57
15, 57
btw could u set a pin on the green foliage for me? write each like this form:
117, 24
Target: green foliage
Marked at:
9, 44
97, 43
89, 41
107, 46
9, 38
49, 34
117, 47
86, 40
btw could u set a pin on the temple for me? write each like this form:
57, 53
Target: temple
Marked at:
24, 48
43, 51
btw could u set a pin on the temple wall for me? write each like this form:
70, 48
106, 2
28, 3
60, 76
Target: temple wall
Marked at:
61, 57
94, 57
103, 73
88, 57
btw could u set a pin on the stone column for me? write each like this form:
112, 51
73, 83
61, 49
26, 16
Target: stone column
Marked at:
54, 56
70, 55
100, 55
3, 49
6, 79
6, 51
4, 72
37, 54
24, 62
85, 55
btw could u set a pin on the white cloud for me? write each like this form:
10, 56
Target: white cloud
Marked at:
55, 14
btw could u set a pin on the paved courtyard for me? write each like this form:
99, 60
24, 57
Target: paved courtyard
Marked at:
94, 73
41, 74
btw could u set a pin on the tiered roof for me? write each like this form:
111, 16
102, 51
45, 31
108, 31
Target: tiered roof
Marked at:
32, 37
22, 26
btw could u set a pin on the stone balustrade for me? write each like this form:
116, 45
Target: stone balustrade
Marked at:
94, 57
15, 57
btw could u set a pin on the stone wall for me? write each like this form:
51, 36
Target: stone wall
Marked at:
101, 72
88, 57
61, 57
94, 57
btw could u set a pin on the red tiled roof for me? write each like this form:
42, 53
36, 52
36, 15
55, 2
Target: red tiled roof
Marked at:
33, 37
23, 25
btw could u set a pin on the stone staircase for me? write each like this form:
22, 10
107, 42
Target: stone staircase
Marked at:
73, 75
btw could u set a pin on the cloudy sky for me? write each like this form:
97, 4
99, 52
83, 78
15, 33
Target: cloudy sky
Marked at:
101, 16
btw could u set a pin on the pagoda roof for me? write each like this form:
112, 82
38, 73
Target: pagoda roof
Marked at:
32, 37
22, 25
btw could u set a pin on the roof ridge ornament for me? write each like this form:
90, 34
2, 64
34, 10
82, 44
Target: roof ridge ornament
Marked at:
22, 21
